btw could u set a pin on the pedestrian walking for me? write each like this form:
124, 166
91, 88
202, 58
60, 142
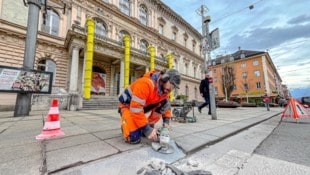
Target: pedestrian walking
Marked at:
144, 102
204, 92
266, 100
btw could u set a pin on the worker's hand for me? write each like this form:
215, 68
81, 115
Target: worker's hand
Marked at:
153, 135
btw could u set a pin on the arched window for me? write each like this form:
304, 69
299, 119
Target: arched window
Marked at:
50, 22
101, 29
143, 45
124, 6
143, 15
121, 35
47, 65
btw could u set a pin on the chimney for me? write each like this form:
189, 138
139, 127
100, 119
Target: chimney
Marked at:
239, 48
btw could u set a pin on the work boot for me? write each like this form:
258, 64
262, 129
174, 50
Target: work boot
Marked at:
199, 109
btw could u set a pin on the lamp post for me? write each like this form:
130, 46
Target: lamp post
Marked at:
206, 49
23, 100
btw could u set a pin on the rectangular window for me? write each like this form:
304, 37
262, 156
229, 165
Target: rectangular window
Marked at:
79, 12
185, 42
125, 7
161, 29
174, 36
258, 86
194, 47
244, 75
255, 62
257, 73
243, 65
246, 86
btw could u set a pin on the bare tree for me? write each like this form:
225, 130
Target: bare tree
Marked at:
228, 80
245, 85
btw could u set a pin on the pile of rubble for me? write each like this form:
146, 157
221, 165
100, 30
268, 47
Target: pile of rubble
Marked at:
157, 167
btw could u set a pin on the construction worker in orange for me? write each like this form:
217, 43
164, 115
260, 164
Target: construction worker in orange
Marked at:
144, 102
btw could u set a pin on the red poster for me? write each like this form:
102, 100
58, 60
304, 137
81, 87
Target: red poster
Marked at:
98, 83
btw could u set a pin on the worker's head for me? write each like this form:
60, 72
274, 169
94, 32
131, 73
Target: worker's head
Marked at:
170, 79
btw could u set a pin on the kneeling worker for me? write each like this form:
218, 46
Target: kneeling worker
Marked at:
144, 102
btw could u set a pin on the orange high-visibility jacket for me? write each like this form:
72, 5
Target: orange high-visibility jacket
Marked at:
142, 93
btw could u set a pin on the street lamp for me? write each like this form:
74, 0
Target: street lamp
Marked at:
206, 48
23, 100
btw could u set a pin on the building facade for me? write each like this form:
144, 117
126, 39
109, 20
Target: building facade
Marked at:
255, 75
61, 45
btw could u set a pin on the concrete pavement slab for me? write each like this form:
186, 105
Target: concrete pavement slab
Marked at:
121, 145
107, 134
127, 163
191, 142
30, 165
223, 131
229, 164
73, 130
20, 151
67, 142
66, 157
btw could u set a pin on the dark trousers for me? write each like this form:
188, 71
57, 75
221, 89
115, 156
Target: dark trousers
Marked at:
207, 102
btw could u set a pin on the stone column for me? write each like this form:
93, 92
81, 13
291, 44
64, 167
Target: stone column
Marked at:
74, 70
112, 80
73, 102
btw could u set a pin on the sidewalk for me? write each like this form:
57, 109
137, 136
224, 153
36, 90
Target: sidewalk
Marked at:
93, 142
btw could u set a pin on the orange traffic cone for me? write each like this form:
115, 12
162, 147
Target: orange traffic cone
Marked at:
52, 124
295, 110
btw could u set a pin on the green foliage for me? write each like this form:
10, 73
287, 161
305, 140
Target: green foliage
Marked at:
182, 97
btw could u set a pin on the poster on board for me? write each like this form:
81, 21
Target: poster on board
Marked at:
98, 83
18, 80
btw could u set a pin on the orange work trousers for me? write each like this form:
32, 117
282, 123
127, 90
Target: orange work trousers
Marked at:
131, 132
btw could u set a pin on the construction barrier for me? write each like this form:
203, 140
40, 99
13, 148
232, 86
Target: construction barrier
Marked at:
295, 110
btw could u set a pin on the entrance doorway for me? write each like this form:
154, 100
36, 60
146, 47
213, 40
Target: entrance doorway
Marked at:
99, 81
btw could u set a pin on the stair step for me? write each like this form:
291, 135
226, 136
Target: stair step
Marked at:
101, 102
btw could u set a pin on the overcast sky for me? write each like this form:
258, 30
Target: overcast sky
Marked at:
281, 27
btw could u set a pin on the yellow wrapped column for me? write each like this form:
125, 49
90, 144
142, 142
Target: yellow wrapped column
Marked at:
126, 39
152, 57
170, 66
89, 57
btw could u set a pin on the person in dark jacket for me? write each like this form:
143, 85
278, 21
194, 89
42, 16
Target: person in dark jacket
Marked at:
204, 92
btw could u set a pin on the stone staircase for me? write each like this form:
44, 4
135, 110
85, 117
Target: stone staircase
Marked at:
101, 102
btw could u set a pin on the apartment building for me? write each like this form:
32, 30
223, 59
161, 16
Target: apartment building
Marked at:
62, 42
255, 75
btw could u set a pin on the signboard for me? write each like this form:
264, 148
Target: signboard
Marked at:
215, 39
18, 80
98, 83
205, 45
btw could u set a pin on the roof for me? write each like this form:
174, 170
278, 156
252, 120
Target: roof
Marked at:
240, 54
